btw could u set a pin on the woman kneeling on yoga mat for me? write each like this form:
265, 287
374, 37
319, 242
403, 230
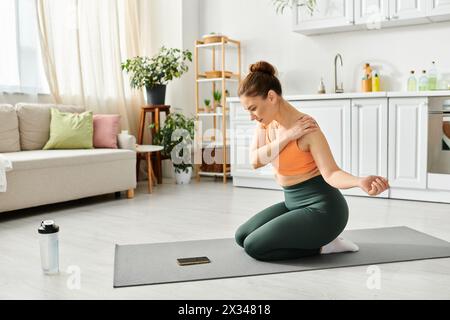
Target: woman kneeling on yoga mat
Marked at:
313, 212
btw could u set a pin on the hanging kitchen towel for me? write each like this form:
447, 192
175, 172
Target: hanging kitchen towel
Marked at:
5, 165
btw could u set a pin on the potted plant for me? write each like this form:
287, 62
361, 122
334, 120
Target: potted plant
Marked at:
176, 136
280, 5
217, 100
207, 105
154, 73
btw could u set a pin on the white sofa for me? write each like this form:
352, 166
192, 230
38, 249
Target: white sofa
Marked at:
41, 176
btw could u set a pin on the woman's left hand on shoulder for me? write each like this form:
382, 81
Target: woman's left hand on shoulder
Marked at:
373, 185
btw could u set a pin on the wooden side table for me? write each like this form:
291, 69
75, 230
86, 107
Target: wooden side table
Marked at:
155, 111
147, 150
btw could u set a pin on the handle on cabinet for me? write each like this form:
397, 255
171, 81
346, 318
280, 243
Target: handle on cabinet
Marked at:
355, 105
394, 16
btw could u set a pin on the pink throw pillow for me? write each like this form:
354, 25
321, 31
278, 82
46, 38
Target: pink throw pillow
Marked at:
106, 129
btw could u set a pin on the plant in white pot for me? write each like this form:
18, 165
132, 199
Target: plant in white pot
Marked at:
217, 101
176, 136
154, 73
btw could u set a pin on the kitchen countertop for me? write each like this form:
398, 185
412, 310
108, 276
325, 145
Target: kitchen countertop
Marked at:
349, 95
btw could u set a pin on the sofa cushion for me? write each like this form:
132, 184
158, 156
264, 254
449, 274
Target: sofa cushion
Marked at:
34, 123
106, 129
37, 159
9, 129
70, 130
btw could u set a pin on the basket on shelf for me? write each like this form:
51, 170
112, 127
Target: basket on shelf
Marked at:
213, 38
217, 74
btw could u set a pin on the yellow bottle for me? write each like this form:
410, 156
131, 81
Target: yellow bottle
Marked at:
375, 83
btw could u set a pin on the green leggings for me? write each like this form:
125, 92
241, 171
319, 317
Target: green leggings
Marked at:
312, 215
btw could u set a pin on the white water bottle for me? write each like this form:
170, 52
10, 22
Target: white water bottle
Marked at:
48, 241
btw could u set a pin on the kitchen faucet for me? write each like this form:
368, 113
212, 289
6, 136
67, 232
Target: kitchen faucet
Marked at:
336, 88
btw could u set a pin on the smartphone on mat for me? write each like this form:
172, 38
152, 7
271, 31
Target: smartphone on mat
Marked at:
193, 260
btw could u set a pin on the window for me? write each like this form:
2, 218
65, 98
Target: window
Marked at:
21, 68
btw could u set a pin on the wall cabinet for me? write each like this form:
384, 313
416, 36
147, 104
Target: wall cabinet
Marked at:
371, 11
345, 15
407, 9
329, 15
438, 10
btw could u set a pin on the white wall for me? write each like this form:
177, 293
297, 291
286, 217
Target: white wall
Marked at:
173, 23
303, 60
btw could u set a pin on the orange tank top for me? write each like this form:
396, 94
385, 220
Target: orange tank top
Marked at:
291, 160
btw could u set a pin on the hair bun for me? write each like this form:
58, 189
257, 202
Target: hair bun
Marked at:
264, 67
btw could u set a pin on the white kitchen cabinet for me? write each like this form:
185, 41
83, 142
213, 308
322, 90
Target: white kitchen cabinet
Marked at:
335, 15
342, 15
369, 138
438, 10
333, 118
408, 138
390, 13
241, 135
371, 12
407, 9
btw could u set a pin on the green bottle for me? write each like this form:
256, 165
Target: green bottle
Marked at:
432, 77
412, 82
423, 81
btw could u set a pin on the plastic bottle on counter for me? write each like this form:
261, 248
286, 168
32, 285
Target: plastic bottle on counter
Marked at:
423, 81
412, 81
375, 82
366, 81
432, 77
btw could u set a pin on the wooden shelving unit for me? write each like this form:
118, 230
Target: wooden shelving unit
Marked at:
222, 118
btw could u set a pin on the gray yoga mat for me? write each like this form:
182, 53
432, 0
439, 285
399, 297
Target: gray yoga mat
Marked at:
156, 263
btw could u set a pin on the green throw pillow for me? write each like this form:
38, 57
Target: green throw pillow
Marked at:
70, 130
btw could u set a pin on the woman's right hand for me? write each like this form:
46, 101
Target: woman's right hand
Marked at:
302, 126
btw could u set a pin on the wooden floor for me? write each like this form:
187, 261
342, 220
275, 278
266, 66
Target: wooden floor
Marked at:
89, 228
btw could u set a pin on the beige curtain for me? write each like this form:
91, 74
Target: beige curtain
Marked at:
83, 44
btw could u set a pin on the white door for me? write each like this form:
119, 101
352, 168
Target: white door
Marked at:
407, 9
328, 14
371, 12
408, 136
439, 10
369, 137
333, 117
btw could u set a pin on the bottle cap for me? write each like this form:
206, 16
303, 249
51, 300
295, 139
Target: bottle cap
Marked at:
47, 227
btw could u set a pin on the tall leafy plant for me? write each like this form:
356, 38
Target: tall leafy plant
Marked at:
167, 64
